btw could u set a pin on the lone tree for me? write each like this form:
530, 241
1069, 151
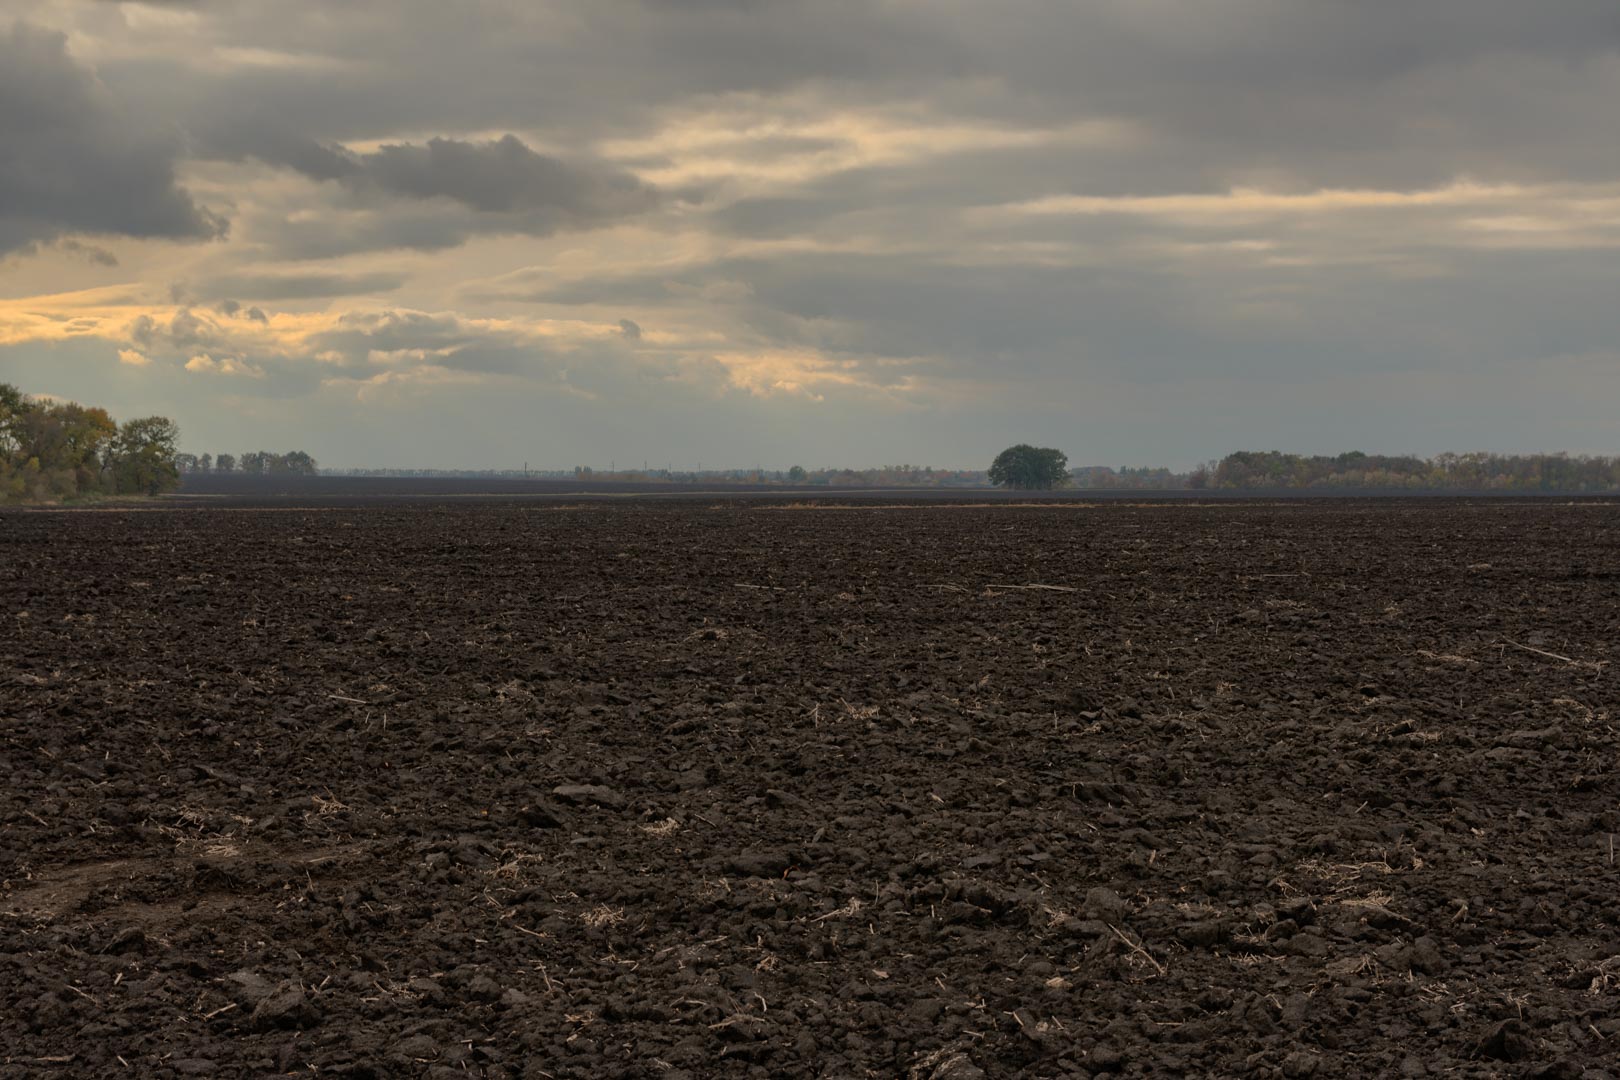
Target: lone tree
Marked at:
144, 456
1030, 468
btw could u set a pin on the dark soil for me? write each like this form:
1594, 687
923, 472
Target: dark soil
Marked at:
684, 790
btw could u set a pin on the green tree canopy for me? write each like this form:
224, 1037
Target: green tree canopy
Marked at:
1030, 468
143, 455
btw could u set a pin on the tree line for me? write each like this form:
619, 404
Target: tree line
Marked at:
51, 450
1443, 472
1251, 470
256, 463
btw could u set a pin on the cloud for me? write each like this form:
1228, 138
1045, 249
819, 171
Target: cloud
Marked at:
315, 284
1133, 220
226, 365
499, 177
133, 357
1331, 93
437, 194
75, 162
91, 253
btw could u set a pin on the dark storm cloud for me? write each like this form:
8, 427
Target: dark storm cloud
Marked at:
74, 162
1331, 91
435, 195
1334, 93
275, 144
571, 68
500, 177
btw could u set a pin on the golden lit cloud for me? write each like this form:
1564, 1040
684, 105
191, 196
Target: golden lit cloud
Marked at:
225, 365
1254, 203
1464, 213
807, 373
396, 386
754, 143
381, 353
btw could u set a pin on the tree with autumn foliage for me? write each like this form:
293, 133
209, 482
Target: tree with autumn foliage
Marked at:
52, 450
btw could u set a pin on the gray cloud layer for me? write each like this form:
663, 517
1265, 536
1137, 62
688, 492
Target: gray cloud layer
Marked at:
499, 177
1392, 91
932, 218
494, 186
74, 162
313, 284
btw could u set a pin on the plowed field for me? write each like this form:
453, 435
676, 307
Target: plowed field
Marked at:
693, 790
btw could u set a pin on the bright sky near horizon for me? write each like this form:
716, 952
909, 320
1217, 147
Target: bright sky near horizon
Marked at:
828, 232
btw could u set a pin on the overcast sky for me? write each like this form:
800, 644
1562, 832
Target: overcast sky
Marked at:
738, 232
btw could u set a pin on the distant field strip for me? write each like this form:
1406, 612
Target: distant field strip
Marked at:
1057, 505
